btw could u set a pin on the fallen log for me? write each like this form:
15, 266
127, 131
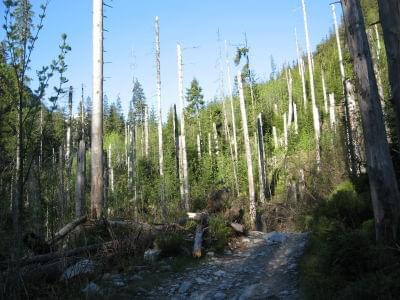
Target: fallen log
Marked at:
67, 229
198, 238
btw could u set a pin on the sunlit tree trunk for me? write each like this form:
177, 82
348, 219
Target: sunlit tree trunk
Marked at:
110, 168
185, 179
296, 124
264, 186
252, 203
300, 63
176, 140
275, 137
97, 183
61, 191
383, 184
285, 131
146, 131
324, 92
312, 88
290, 93
349, 104
332, 112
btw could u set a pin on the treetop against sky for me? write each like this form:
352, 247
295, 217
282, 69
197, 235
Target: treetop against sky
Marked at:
130, 41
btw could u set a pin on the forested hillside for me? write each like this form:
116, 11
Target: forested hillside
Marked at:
312, 149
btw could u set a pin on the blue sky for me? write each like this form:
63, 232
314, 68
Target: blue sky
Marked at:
129, 42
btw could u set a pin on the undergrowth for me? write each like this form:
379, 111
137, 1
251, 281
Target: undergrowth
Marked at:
343, 261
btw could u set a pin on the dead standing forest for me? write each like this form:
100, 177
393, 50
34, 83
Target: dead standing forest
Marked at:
313, 149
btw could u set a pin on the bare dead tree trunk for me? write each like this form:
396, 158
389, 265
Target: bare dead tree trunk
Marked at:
389, 13
264, 186
110, 169
97, 183
296, 124
231, 103
275, 137
384, 190
252, 203
332, 112
349, 104
176, 139
300, 62
375, 63
324, 92
215, 134
312, 88
80, 181
209, 145
158, 64
290, 93
285, 131
146, 131
61, 191
183, 137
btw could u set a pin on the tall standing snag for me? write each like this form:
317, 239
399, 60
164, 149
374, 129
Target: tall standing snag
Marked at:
97, 184
389, 12
252, 202
383, 184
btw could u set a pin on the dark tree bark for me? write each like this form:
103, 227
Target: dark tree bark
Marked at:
383, 184
389, 13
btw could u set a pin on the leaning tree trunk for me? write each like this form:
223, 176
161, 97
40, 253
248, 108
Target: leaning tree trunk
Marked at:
389, 12
97, 183
384, 191
252, 202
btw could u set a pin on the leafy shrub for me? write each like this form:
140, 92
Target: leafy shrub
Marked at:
169, 243
219, 232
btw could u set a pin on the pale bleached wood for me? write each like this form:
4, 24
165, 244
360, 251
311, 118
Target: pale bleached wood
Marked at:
96, 193
252, 203
332, 111
382, 179
324, 91
159, 120
80, 180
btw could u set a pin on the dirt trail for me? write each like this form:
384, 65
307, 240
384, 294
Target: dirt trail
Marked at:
265, 268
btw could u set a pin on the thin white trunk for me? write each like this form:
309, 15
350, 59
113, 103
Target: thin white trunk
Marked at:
231, 102
209, 144
252, 203
185, 180
332, 113
285, 131
301, 70
312, 88
324, 92
110, 168
80, 180
261, 161
198, 146
215, 133
158, 63
41, 137
296, 124
69, 121
146, 131
275, 137
375, 61
290, 92
378, 42
97, 115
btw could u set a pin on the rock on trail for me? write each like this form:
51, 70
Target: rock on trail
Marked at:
264, 268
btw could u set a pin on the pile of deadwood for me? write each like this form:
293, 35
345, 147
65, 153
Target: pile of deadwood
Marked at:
50, 259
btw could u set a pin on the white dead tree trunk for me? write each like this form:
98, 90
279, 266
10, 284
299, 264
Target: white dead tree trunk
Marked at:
209, 145
110, 168
285, 131
296, 124
68, 138
290, 93
375, 61
185, 181
332, 113
252, 203
80, 181
300, 63
146, 131
176, 140
231, 103
324, 92
349, 103
275, 137
198, 146
215, 134
312, 88
97, 183
264, 189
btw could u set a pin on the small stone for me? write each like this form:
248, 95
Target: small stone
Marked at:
219, 296
284, 293
219, 273
210, 253
118, 280
152, 255
228, 252
136, 277
200, 280
91, 288
84, 266
185, 286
